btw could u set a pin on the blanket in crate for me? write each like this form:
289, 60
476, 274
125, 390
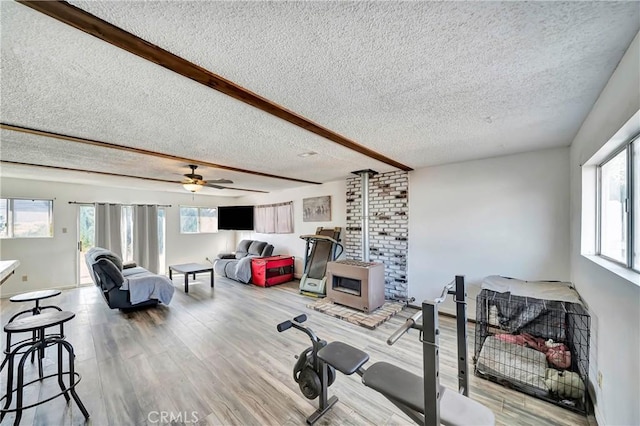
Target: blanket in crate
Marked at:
515, 363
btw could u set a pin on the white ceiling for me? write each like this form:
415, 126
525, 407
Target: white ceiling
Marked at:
421, 82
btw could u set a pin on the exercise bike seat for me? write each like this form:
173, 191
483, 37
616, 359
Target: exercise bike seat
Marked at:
344, 358
407, 388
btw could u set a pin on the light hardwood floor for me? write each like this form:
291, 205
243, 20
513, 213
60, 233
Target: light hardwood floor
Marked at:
215, 355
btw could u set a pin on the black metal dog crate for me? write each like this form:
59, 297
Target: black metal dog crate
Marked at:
540, 347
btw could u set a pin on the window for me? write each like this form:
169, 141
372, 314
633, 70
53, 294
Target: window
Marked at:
613, 215
194, 220
618, 206
4, 218
20, 218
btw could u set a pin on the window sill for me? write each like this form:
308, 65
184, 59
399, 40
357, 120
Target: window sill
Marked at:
34, 237
630, 275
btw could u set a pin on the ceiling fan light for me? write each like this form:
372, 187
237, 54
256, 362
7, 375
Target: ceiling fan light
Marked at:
192, 187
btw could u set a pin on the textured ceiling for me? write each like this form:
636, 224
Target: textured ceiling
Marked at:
424, 83
48, 152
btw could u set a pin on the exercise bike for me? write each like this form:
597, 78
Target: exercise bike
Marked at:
420, 398
307, 371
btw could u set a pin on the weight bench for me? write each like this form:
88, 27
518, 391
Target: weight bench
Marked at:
403, 388
420, 398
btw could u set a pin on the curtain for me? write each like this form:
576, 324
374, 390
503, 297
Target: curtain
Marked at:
146, 251
108, 221
284, 218
274, 218
265, 219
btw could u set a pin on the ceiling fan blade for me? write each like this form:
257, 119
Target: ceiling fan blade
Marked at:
193, 177
213, 185
228, 187
249, 190
225, 181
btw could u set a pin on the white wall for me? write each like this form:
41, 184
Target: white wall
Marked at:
499, 216
52, 262
291, 244
613, 302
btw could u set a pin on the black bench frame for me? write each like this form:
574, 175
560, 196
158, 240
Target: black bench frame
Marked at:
430, 338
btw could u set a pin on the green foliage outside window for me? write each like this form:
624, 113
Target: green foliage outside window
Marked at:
87, 226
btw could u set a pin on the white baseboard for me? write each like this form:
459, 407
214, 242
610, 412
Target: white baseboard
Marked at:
62, 287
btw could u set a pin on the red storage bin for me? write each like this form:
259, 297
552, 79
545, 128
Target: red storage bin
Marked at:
268, 271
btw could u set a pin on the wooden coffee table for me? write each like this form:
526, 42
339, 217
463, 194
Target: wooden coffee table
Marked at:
190, 268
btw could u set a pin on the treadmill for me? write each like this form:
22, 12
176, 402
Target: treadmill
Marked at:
321, 248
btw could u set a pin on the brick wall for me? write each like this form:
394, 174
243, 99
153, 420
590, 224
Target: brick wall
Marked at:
388, 227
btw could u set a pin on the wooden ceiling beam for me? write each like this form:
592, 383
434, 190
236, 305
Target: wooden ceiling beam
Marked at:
69, 169
90, 24
143, 152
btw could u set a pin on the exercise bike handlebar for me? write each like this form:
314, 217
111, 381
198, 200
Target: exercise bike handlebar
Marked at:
300, 318
409, 323
285, 325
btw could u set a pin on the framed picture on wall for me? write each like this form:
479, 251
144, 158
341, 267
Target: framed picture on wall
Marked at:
316, 209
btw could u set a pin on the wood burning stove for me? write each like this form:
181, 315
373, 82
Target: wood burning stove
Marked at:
356, 284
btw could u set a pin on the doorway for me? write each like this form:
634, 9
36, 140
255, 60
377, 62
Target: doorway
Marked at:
86, 240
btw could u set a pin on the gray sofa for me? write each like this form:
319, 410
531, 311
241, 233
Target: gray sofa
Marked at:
237, 265
126, 285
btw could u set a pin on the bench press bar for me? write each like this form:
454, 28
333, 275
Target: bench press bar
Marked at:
430, 346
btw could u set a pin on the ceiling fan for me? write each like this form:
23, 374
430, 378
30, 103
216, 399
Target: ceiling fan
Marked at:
195, 183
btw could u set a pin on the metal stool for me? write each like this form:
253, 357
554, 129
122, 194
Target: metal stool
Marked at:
36, 296
39, 324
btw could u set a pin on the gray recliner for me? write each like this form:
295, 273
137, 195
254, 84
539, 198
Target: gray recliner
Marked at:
117, 281
237, 265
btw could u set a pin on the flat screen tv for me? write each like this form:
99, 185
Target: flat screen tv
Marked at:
235, 218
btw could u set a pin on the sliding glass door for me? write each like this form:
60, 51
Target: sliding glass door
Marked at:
87, 238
